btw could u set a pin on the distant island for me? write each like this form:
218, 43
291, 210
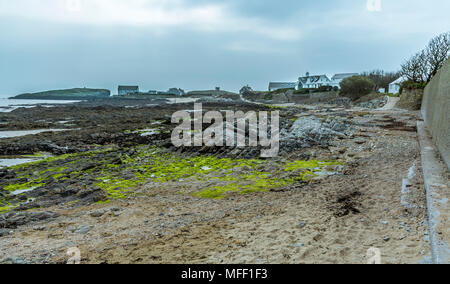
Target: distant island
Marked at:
68, 94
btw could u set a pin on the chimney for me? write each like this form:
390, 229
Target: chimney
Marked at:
307, 74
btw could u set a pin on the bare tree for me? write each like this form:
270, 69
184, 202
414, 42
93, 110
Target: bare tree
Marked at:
425, 64
381, 78
416, 68
438, 51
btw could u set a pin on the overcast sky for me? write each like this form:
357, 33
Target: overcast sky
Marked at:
200, 44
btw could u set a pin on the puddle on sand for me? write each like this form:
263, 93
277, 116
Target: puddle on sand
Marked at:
148, 132
11, 161
182, 100
406, 187
14, 162
17, 192
20, 133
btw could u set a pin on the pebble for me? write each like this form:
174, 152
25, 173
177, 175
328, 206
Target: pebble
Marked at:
69, 244
84, 229
97, 214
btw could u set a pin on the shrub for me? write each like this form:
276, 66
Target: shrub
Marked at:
281, 91
356, 87
411, 85
268, 96
302, 91
322, 89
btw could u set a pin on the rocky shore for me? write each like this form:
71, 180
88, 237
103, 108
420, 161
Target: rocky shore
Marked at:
113, 185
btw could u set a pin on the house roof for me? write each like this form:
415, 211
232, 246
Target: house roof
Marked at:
399, 81
343, 76
128, 87
282, 85
312, 79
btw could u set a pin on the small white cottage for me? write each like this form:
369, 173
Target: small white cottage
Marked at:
394, 87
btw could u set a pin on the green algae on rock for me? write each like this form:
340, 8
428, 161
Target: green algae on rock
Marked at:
119, 173
232, 175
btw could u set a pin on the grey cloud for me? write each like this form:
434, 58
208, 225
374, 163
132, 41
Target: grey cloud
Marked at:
334, 36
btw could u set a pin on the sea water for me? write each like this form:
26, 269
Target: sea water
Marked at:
8, 105
20, 133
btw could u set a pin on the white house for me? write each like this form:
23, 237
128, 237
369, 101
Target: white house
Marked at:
273, 86
313, 82
337, 79
394, 87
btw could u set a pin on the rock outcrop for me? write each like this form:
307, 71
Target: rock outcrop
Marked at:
69, 94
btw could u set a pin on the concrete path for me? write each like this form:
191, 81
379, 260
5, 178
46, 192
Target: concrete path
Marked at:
437, 186
391, 103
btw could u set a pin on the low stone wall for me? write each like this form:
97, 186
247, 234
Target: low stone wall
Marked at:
436, 110
411, 99
291, 97
313, 98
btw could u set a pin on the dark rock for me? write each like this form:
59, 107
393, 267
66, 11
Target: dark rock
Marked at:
3, 173
14, 220
4, 232
302, 224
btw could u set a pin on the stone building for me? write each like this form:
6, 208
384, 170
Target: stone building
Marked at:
128, 90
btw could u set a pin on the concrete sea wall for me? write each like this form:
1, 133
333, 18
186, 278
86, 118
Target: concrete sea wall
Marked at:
436, 111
